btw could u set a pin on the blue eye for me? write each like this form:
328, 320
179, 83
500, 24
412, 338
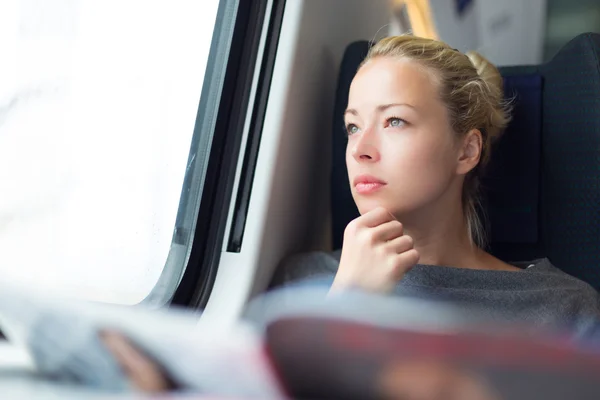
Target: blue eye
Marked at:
351, 129
396, 122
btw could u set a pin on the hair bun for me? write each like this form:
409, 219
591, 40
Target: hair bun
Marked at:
492, 78
486, 70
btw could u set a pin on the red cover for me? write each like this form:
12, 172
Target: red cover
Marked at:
325, 358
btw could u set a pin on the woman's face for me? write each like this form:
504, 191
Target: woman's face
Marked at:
402, 154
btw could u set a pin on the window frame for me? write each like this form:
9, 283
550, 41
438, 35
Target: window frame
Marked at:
216, 144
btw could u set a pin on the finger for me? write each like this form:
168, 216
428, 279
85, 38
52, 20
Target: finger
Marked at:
375, 217
404, 262
388, 231
401, 244
142, 371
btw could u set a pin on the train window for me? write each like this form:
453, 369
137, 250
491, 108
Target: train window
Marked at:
98, 109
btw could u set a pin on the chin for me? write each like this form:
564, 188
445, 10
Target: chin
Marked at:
366, 205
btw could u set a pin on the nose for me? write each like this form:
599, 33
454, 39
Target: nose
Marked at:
365, 148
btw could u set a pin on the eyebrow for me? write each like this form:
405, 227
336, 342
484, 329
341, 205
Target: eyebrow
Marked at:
380, 108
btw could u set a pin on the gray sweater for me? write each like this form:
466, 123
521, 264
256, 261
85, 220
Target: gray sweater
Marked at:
541, 294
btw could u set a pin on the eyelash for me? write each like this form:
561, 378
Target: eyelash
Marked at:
387, 121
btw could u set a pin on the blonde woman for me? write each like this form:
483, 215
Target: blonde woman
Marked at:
421, 121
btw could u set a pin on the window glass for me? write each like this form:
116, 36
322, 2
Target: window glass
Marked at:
98, 101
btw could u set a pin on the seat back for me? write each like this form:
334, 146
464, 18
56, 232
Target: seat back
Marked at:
541, 192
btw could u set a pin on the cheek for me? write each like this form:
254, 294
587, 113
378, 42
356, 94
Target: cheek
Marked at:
421, 169
419, 156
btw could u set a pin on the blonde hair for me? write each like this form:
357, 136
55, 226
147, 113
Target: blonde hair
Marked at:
471, 88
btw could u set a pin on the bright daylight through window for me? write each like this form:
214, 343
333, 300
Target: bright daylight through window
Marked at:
98, 101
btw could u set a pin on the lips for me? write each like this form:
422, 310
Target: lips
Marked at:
365, 184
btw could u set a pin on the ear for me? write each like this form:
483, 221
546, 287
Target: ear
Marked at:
469, 153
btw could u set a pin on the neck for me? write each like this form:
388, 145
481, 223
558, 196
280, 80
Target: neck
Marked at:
441, 237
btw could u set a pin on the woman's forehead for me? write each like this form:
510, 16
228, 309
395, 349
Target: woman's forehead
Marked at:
392, 81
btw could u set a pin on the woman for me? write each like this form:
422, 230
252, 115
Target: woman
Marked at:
421, 121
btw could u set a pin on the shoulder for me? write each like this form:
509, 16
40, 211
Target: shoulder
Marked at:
545, 267
572, 287
304, 266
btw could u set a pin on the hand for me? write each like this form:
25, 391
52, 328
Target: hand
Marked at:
376, 254
145, 374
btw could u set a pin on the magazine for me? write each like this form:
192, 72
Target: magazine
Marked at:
301, 343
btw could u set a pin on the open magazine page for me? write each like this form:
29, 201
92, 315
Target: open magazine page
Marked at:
62, 338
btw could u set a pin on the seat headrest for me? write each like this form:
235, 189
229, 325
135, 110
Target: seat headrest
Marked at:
570, 182
510, 184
